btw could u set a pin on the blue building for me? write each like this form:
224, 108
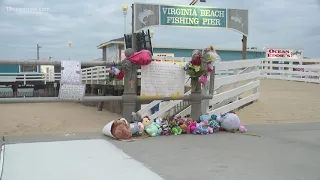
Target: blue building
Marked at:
14, 74
111, 51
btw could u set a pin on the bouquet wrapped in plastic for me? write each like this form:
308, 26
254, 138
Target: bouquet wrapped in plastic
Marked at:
194, 68
202, 62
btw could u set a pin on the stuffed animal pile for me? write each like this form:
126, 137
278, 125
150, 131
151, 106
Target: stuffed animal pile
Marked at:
179, 125
230, 122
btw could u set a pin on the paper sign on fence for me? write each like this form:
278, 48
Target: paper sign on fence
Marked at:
71, 87
162, 79
72, 92
71, 72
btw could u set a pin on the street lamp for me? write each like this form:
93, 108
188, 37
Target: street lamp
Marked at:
125, 11
38, 51
70, 45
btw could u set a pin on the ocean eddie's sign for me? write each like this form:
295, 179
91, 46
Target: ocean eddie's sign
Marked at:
147, 15
272, 53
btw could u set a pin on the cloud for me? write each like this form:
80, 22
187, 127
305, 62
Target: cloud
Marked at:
281, 23
14, 2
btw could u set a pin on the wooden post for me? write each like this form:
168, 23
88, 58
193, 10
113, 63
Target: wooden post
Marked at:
103, 93
244, 47
15, 90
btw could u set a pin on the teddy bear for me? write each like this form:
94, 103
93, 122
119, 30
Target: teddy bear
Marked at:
166, 130
204, 117
214, 125
120, 129
228, 121
137, 128
172, 122
200, 129
183, 125
176, 130
205, 124
152, 129
192, 127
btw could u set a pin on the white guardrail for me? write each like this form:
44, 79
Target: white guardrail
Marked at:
236, 84
306, 70
29, 76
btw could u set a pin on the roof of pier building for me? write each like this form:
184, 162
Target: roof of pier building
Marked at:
120, 41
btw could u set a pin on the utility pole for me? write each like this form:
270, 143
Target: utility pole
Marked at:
134, 38
38, 49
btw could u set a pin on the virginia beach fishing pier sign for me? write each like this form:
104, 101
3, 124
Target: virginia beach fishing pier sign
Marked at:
147, 15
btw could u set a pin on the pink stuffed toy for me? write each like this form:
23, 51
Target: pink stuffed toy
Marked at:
141, 58
243, 129
192, 127
205, 124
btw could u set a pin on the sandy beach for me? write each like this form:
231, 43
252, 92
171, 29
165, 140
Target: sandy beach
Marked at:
43, 118
284, 102
280, 102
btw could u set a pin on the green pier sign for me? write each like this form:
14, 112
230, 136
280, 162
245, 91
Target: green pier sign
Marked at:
193, 16
146, 15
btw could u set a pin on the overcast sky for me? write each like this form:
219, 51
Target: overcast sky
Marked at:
272, 23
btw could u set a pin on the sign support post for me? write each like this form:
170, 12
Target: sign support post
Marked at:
244, 47
130, 81
134, 37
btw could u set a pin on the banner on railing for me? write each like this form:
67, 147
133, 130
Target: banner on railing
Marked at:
273, 53
162, 79
71, 87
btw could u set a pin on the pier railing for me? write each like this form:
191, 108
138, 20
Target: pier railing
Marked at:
236, 82
25, 78
305, 70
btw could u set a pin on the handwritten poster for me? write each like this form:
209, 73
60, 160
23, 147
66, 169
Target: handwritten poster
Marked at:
162, 79
71, 87
71, 72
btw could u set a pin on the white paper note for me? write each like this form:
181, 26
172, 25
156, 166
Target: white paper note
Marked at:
72, 92
71, 72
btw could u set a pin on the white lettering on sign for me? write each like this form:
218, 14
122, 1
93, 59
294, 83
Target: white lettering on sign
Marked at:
162, 79
211, 13
190, 16
182, 20
180, 11
206, 21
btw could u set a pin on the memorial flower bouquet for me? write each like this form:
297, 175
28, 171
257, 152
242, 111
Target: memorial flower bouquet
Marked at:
202, 62
116, 72
194, 68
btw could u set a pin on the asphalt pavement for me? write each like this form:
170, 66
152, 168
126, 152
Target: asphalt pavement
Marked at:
283, 152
